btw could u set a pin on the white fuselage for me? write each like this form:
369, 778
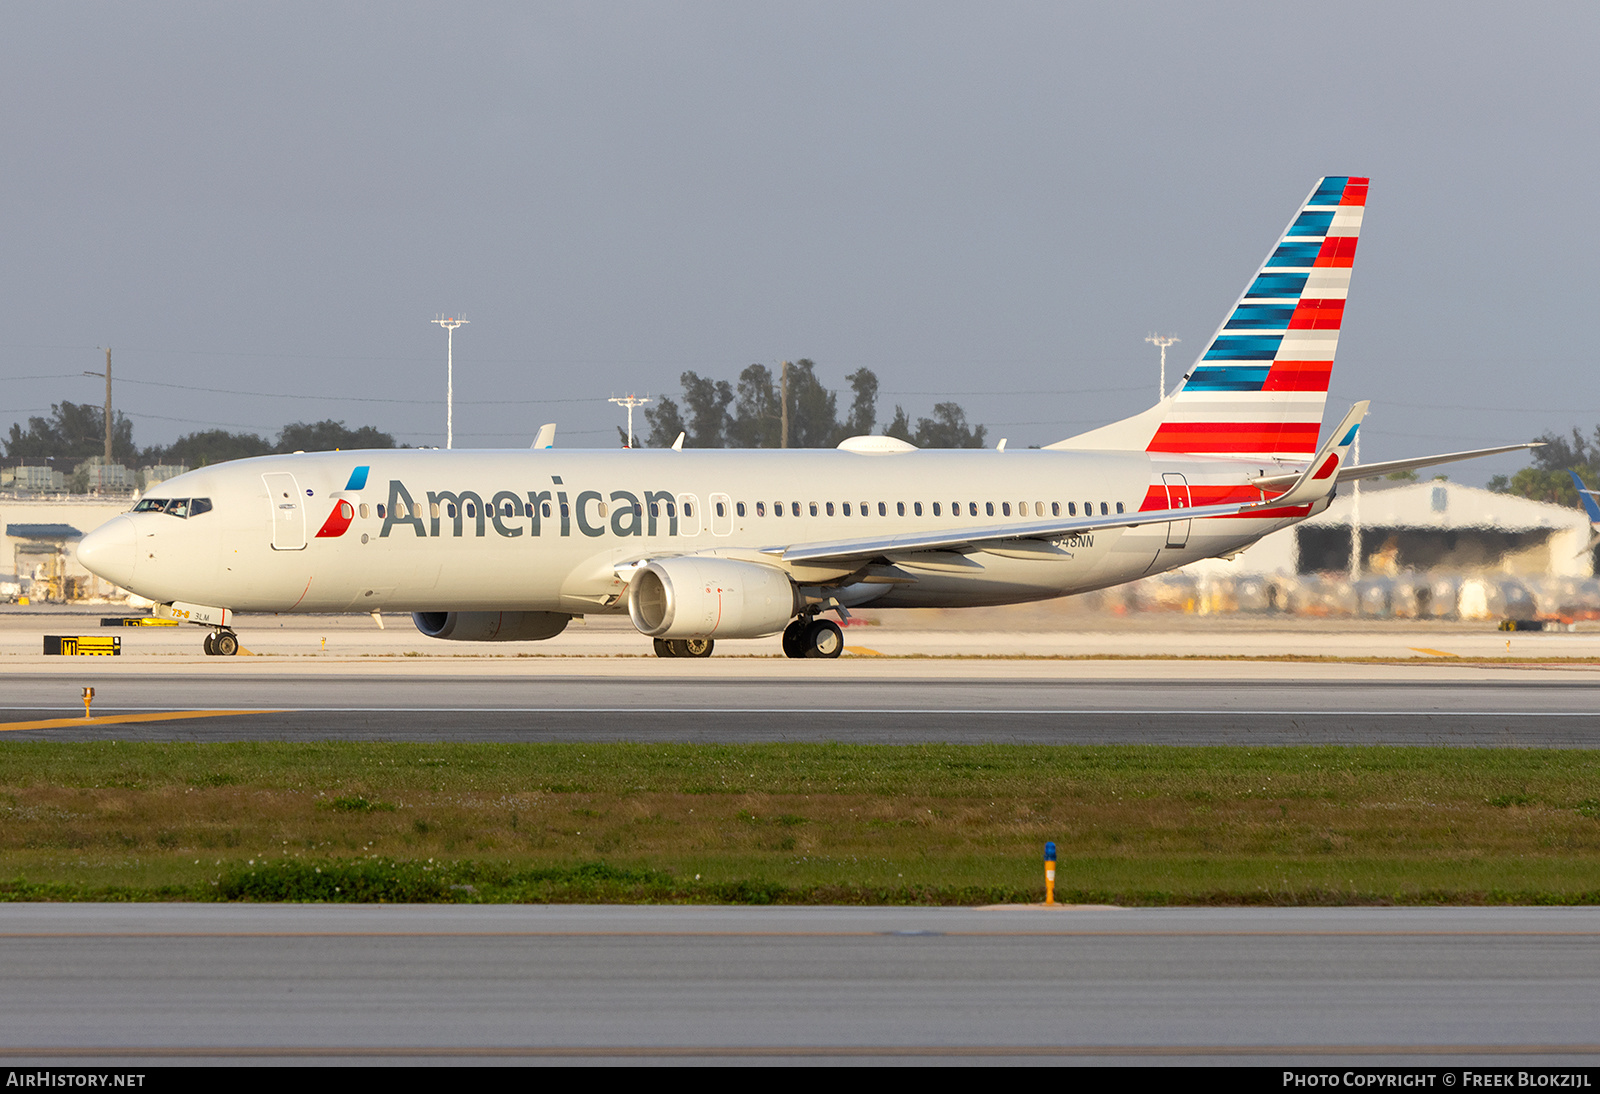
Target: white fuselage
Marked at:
554, 530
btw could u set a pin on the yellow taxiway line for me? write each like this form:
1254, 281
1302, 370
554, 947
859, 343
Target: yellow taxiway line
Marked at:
115, 719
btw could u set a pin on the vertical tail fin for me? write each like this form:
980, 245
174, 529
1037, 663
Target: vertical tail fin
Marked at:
1259, 388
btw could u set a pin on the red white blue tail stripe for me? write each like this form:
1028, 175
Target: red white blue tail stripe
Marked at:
1260, 386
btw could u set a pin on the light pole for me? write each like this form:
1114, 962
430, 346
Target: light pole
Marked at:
1162, 340
450, 326
630, 402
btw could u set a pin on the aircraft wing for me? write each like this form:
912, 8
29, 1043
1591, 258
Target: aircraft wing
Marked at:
1315, 480
997, 534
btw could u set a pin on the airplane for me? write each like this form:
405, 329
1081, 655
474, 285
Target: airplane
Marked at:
698, 546
1590, 506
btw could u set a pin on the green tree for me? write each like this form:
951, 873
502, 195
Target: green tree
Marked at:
864, 407
665, 424
327, 435
1547, 480
207, 447
73, 431
757, 417
900, 427
707, 402
947, 429
813, 409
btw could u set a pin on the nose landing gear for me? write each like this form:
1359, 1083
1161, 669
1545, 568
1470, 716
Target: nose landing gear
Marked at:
221, 643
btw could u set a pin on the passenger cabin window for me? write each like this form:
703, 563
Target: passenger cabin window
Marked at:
988, 508
794, 507
366, 511
830, 509
900, 508
381, 512
1119, 507
972, 508
1072, 508
739, 508
722, 510
935, 508
545, 509
1055, 509
813, 508
916, 507
761, 508
883, 509
847, 509
1005, 508
777, 508
1105, 510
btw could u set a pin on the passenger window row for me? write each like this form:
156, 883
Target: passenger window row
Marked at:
916, 508
779, 509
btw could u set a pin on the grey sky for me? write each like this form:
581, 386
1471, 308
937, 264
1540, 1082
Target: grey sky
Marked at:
993, 203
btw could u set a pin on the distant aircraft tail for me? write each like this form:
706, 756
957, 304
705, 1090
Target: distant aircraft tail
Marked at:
1259, 388
1587, 496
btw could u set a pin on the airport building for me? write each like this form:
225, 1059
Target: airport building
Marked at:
38, 536
1433, 549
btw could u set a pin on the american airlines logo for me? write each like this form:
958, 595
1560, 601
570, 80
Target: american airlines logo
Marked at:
510, 514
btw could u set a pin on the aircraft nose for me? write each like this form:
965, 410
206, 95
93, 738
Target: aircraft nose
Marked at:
109, 551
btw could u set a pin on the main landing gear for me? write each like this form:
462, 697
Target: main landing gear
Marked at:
812, 637
684, 647
221, 643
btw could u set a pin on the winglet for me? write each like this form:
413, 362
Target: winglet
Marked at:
1321, 474
546, 437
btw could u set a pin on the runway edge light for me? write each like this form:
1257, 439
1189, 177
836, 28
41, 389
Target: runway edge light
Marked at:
1050, 874
88, 697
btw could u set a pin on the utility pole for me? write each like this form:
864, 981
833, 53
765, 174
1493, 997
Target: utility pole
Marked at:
783, 387
108, 406
450, 326
630, 402
107, 375
1162, 340
1355, 515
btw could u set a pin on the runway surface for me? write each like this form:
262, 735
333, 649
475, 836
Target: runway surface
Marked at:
967, 702
249, 984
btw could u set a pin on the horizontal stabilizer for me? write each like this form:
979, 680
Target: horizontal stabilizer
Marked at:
1389, 467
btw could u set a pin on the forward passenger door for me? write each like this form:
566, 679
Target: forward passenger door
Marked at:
288, 511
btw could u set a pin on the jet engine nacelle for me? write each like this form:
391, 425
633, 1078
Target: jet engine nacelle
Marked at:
696, 597
491, 626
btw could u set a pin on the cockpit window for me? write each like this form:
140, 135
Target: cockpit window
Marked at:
174, 507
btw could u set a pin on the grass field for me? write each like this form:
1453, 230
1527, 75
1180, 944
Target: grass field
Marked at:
853, 824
